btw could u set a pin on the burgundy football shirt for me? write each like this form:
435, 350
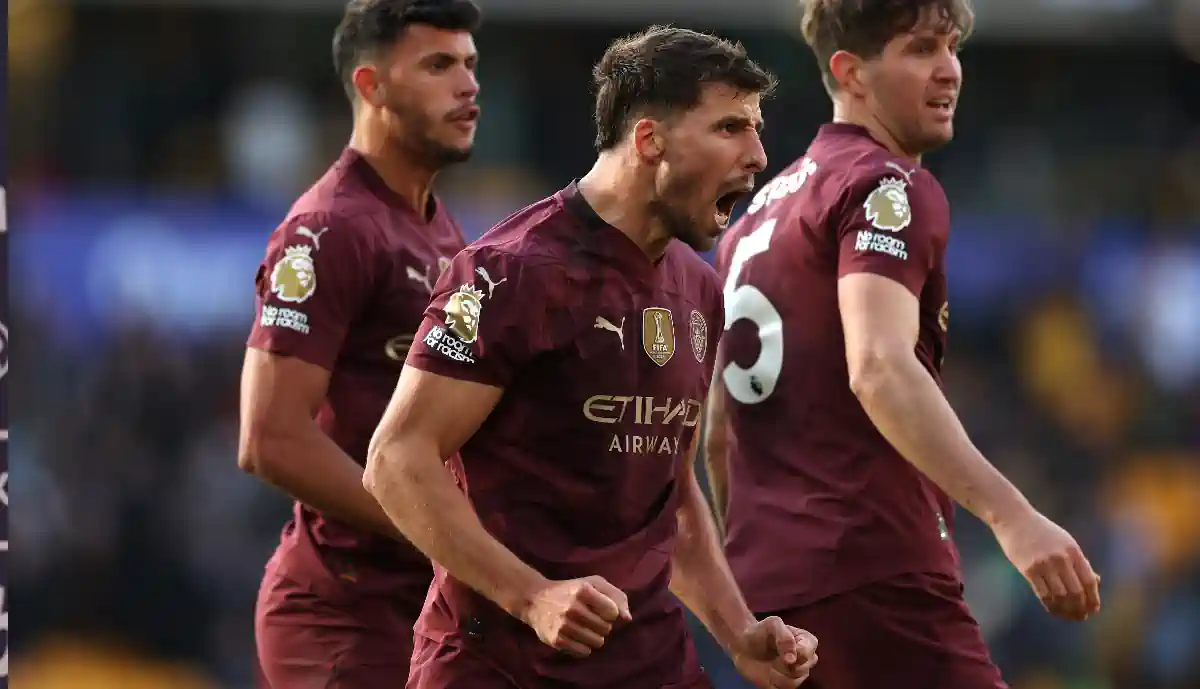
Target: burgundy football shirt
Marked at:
819, 501
605, 360
344, 284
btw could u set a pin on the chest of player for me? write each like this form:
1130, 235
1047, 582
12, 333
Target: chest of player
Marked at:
404, 280
633, 374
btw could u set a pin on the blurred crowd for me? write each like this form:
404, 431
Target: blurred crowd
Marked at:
1074, 354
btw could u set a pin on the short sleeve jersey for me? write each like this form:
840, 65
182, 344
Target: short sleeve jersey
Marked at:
605, 360
819, 501
343, 285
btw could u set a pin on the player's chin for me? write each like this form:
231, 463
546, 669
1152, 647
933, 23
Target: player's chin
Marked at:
456, 152
938, 134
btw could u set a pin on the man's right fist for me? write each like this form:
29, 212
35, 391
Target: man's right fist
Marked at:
576, 616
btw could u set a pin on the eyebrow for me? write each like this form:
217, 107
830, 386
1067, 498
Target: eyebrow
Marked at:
442, 55
740, 119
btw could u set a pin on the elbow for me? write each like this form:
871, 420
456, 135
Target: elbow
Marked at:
381, 461
250, 454
255, 452
370, 478
871, 371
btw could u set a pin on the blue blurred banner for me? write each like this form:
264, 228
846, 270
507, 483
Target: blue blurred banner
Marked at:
185, 266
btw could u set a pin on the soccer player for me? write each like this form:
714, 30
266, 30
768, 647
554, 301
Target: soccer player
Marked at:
343, 287
828, 428
566, 356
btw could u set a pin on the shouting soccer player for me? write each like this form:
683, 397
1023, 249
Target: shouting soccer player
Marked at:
841, 450
566, 356
343, 287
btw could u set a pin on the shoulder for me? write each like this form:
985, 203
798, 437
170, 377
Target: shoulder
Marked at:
338, 200
885, 190
528, 250
536, 239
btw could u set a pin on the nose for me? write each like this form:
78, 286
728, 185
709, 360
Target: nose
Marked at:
756, 156
949, 69
469, 87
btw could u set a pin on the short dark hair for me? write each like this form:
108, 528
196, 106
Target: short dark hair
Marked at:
664, 69
371, 26
864, 27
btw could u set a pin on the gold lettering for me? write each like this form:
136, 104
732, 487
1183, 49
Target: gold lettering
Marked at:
599, 408
636, 444
615, 444
665, 409
692, 416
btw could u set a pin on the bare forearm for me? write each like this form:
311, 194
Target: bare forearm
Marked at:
909, 409
701, 578
419, 495
307, 465
715, 458
718, 480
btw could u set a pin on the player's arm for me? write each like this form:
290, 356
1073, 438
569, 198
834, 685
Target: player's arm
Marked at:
311, 287
767, 652
467, 351
882, 270
716, 450
701, 577
428, 419
880, 318
280, 442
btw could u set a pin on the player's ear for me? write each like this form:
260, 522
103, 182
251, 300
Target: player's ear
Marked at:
847, 71
648, 140
366, 81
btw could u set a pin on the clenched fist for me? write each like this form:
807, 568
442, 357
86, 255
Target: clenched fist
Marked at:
772, 655
576, 616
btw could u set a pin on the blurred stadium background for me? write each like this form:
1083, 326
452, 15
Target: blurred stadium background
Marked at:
155, 143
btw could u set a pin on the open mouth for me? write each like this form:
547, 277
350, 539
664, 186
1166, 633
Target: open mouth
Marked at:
944, 106
725, 204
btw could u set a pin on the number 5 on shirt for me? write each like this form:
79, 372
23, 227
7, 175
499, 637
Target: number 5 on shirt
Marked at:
755, 383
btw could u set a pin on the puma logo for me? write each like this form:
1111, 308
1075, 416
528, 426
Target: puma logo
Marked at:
422, 278
604, 324
895, 166
314, 236
488, 279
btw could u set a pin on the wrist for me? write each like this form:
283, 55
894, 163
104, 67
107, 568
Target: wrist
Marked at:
1013, 509
737, 635
518, 598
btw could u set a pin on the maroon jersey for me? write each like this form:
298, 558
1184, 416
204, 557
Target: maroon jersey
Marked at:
819, 501
344, 284
605, 360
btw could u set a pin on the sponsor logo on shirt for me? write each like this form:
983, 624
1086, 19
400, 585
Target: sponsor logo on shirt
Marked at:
643, 411
881, 243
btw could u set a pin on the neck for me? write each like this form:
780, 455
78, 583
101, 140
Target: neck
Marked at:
622, 196
846, 113
412, 181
